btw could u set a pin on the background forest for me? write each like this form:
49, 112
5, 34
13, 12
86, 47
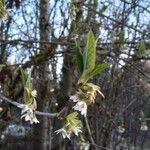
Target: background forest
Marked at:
43, 37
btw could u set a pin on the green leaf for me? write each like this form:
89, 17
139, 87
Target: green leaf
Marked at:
142, 116
24, 76
89, 57
99, 68
121, 38
90, 52
79, 57
28, 82
142, 49
95, 3
85, 77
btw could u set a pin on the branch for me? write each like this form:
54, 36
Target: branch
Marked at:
50, 115
114, 20
89, 131
144, 8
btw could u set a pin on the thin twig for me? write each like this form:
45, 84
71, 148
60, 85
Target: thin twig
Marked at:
50, 115
114, 20
89, 131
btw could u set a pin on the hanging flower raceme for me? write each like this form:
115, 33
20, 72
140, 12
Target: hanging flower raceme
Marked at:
72, 126
30, 105
28, 113
87, 92
144, 126
80, 105
121, 129
85, 95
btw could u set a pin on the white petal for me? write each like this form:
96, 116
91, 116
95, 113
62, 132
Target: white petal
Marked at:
27, 118
74, 98
35, 120
77, 131
64, 133
144, 128
34, 93
82, 107
25, 109
21, 106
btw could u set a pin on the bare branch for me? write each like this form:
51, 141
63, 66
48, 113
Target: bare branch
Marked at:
50, 115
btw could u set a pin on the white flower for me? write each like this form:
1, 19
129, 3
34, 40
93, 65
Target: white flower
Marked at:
121, 129
64, 133
34, 93
2, 137
52, 90
1, 109
28, 114
144, 127
67, 134
77, 130
74, 98
84, 146
82, 107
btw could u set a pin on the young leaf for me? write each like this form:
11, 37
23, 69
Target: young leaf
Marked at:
121, 38
95, 2
24, 76
90, 52
89, 57
142, 117
99, 68
85, 77
79, 57
142, 49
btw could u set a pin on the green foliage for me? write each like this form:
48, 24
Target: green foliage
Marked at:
29, 93
142, 116
99, 68
90, 52
86, 60
89, 57
142, 49
24, 76
79, 57
121, 38
95, 2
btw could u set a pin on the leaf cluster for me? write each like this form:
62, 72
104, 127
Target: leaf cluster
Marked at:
86, 60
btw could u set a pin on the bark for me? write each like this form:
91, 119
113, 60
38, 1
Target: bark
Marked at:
42, 81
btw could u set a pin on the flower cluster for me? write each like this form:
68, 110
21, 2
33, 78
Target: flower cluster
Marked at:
87, 92
120, 129
80, 105
28, 113
28, 109
144, 127
72, 125
85, 95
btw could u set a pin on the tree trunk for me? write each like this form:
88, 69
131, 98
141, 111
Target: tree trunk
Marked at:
42, 81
